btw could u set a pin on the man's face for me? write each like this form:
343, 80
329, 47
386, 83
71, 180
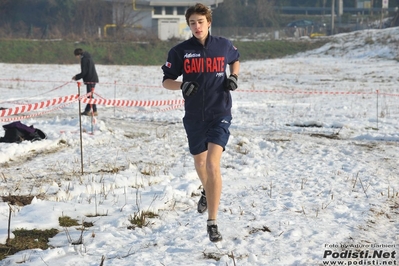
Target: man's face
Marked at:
199, 26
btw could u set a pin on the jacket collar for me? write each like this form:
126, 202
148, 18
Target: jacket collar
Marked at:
207, 40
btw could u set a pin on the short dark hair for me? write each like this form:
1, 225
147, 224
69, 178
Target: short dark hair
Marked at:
78, 51
199, 9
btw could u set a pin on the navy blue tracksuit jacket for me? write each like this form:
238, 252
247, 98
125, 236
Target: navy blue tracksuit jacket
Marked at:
207, 66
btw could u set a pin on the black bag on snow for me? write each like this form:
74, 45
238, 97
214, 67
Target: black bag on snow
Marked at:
17, 132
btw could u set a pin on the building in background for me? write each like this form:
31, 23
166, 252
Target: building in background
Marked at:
165, 18
363, 4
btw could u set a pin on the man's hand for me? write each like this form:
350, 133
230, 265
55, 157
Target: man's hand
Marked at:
189, 87
231, 82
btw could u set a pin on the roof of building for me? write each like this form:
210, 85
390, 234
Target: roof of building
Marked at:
169, 2
184, 2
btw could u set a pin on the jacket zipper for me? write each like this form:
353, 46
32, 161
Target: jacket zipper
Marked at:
205, 90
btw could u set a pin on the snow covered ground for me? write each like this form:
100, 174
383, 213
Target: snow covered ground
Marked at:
310, 174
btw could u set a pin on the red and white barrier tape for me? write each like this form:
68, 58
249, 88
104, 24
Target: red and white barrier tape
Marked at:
306, 92
100, 83
131, 103
56, 101
150, 103
35, 106
14, 118
18, 101
255, 91
319, 92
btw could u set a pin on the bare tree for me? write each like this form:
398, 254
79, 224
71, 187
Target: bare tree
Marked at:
90, 15
265, 12
127, 17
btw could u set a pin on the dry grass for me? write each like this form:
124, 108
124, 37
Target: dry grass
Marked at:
27, 239
140, 219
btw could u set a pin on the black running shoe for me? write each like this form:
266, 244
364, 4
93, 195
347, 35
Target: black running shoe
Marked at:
202, 206
213, 232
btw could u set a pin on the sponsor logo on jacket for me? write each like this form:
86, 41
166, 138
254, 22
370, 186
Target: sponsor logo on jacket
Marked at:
194, 65
191, 55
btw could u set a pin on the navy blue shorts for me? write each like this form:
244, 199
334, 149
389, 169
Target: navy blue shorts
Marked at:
200, 133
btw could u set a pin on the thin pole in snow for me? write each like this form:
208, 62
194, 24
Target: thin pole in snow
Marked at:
114, 95
80, 127
92, 112
377, 109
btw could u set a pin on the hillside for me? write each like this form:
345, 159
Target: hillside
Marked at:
128, 53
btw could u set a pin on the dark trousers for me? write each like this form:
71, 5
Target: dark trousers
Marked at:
90, 88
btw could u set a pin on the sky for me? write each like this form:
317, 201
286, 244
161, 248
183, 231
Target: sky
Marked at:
310, 173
